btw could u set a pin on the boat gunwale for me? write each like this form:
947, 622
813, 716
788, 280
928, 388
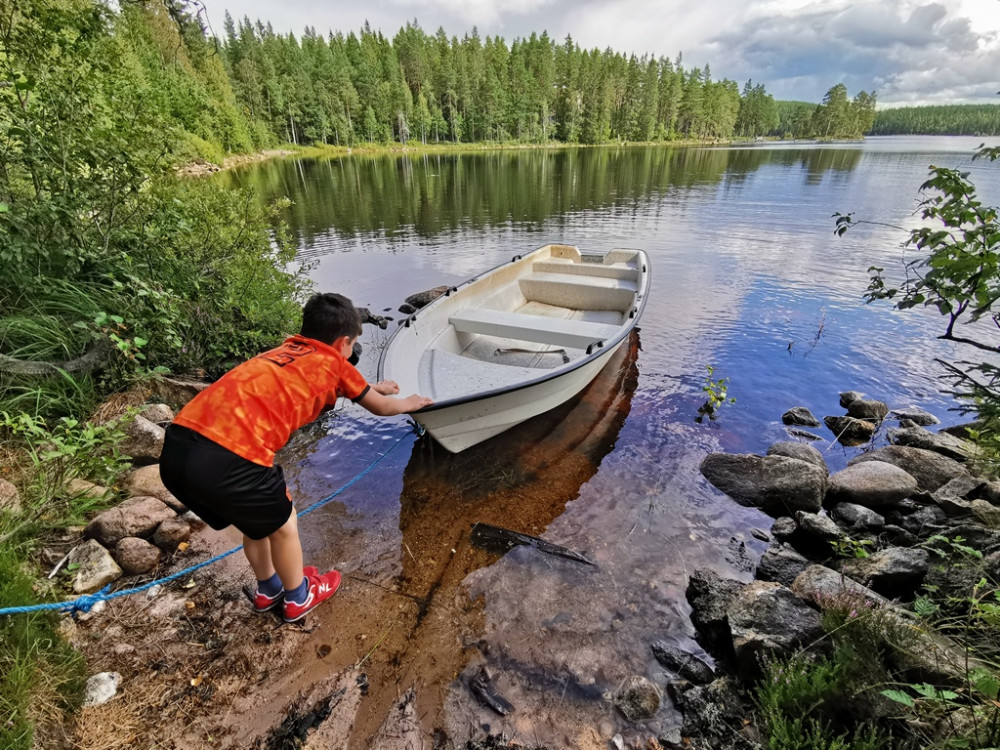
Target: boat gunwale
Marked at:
604, 348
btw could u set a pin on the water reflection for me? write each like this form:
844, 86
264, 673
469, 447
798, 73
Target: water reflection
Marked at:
431, 194
520, 480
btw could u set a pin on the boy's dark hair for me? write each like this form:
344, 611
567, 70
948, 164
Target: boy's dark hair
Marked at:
327, 317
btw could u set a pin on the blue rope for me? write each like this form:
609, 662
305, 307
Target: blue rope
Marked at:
86, 602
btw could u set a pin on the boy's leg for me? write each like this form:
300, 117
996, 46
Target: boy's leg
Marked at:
284, 555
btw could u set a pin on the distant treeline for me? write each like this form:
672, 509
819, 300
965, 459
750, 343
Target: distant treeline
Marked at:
946, 119
344, 89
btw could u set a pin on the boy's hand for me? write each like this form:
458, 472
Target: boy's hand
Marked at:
386, 387
417, 401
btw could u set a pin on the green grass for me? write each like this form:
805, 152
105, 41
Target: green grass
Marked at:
38, 669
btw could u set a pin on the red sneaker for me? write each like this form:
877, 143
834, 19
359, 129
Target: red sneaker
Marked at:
264, 603
321, 588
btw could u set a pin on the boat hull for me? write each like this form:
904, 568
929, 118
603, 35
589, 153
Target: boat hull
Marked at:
516, 341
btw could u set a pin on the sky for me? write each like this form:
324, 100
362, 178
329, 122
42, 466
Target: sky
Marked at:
909, 53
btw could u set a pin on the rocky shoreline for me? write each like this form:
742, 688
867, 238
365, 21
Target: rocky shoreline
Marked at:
893, 512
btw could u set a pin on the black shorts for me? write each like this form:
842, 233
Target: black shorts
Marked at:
222, 488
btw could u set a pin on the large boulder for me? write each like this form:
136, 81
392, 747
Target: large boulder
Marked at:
138, 516
177, 391
143, 441
874, 484
801, 451
939, 442
685, 665
819, 585
767, 619
145, 482
893, 572
709, 596
160, 414
930, 469
776, 484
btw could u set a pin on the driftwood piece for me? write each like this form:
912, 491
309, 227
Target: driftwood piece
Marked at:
497, 539
482, 687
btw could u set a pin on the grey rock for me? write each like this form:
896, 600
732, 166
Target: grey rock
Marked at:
143, 441
101, 688
637, 698
930, 469
868, 409
800, 415
145, 482
96, 567
137, 516
709, 596
177, 391
986, 513
160, 414
965, 487
367, 316
922, 518
990, 492
954, 507
916, 415
682, 663
10, 496
850, 431
991, 567
760, 535
898, 537
784, 528
939, 442
801, 451
776, 484
80, 488
892, 572
766, 618
712, 712
849, 397
820, 585
781, 564
873, 484
170, 533
420, 299
857, 516
136, 556
820, 526
963, 431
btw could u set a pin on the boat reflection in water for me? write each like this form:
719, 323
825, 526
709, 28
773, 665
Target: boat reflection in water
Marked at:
520, 480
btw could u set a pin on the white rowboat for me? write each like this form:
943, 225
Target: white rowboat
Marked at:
516, 341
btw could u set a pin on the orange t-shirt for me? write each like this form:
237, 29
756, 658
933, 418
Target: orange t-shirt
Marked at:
254, 408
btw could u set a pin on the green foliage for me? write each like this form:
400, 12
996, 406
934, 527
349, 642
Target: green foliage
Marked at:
801, 699
946, 547
716, 396
848, 547
956, 272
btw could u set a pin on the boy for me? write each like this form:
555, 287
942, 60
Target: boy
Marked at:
218, 456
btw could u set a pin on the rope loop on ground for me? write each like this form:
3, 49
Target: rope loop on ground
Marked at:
87, 602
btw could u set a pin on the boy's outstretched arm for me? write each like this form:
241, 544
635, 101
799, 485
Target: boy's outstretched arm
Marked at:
387, 406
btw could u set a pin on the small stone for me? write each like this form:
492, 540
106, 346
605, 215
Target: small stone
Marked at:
80, 488
873, 411
10, 496
986, 513
800, 415
136, 556
857, 516
101, 688
916, 415
170, 533
848, 397
96, 567
637, 698
160, 414
850, 431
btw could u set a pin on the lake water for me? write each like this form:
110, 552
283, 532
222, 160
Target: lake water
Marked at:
748, 278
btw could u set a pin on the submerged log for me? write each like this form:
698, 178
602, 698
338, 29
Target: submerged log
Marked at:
497, 539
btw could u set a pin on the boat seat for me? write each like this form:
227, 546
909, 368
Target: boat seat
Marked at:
612, 271
541, 329
578, 292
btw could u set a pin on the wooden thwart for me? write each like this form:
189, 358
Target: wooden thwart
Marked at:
577, 334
